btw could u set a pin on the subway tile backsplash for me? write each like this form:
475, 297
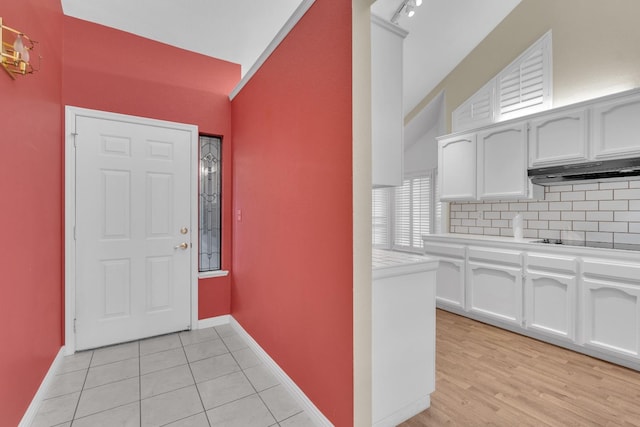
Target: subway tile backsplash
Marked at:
601, 212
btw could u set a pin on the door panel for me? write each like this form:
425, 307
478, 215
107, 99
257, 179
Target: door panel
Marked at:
132, 198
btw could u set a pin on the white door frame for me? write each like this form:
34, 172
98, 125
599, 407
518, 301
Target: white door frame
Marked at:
71, 113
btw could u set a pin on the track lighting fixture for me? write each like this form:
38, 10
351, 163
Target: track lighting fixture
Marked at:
408, 7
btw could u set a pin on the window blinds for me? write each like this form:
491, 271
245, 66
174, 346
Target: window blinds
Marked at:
380, 206
401, 215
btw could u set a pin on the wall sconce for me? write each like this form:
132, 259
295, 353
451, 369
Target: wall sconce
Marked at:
15, 55
408, 6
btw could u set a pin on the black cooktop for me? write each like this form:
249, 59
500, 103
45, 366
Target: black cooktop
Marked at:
588, 244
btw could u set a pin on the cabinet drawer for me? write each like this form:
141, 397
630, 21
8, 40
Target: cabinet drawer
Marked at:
611, 269
499, 256
444, 249
565, 265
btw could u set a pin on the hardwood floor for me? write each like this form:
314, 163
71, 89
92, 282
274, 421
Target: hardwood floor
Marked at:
489, 376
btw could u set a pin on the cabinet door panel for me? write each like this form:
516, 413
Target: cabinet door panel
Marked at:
611, 316
558, 139
457, 167
495, 291
616, 126
450, 282
549, 303
502, 162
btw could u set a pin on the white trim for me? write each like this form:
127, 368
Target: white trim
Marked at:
311, 410
71, 113
32, 410
389, 26
210, 322
209, 274
284, 31
406, 412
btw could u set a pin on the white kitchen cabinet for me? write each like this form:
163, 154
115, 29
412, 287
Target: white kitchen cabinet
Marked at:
490, 164
559, 138
494, 284
611, 307
387, 117
550, 295
457, 167
615, 127
450, 274
403, 336
502, 163
584, 299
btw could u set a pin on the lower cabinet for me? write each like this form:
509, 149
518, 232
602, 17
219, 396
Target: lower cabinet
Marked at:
450, 273
611, 307
494, 279
550, 295
587, 303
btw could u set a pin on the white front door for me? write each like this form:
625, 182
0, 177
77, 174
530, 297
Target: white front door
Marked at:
133, 230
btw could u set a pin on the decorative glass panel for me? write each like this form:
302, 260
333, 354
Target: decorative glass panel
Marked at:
210, 202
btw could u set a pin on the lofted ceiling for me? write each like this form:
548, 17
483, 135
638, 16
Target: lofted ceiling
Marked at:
441, 33
233, 30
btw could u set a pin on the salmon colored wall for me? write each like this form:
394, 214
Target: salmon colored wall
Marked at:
31, 211
292, 261
111, 70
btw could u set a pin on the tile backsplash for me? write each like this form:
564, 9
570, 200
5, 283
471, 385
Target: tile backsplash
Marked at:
600, 212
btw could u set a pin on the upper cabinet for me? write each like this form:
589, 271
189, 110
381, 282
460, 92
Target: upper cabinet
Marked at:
616, 128
489, 164
498, 155
502, 162
600, 129
457, 170
559, 138
387, 117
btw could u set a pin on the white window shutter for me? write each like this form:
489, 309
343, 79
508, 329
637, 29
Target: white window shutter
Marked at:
524, 87
477, 111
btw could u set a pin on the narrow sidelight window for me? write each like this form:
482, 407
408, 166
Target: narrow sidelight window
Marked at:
210, 202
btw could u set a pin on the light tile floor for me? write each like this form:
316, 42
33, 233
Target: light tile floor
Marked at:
207, 377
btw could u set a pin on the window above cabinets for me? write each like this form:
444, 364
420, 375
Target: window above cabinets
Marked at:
523, 87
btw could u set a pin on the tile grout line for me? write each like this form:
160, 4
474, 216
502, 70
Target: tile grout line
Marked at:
195, 384
139, 385
254, 387
75, 411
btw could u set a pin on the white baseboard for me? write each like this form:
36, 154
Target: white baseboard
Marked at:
32, 410
214, 321
312, 411
404, 413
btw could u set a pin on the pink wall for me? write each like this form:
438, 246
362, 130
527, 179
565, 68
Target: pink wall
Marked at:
127, 74
292, 260
31, 212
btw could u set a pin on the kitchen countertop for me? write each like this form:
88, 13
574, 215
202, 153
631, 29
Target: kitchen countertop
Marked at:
392, 263
620, 251
480, 237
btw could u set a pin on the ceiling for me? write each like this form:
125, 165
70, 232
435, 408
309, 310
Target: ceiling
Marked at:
441, 33
233, 30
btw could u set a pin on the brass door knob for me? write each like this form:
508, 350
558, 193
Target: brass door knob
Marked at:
183, 245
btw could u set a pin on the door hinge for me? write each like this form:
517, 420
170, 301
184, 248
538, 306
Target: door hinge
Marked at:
74, 326
75, 140
74, 232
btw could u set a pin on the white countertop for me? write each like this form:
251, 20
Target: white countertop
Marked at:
391, 263
531, 244
481, 237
